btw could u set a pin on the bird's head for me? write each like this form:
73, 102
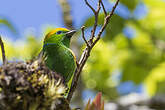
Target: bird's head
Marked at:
59, 35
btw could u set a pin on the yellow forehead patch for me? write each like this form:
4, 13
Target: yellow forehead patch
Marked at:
54, 31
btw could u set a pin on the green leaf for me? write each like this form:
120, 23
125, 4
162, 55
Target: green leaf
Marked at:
155, 81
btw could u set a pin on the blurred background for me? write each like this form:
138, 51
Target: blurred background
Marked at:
128, 63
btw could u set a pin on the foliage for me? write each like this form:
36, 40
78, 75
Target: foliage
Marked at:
131, 4
139, 57
22, 50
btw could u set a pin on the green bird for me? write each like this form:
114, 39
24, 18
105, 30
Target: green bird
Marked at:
56, 52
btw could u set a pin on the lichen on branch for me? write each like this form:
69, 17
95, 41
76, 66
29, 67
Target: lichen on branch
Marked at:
31, 86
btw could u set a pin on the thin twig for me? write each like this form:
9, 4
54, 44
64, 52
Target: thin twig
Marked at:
106, 21
105, 12
3, 52
96, 21
94, 11
83, 36
86, 53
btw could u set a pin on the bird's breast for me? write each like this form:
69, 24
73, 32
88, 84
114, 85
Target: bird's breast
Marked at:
60, 59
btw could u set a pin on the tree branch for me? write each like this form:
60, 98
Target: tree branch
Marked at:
83, 36
66, 13
106, 21
96, 21
105, 12
3, 52
94, 11
86, 53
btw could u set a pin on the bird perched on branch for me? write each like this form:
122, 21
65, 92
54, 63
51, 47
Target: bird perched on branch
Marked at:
56, 52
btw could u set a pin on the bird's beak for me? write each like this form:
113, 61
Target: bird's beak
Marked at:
70, 33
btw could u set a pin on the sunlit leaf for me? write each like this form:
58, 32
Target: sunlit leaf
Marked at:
155, 78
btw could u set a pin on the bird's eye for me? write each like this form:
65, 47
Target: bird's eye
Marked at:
59, 32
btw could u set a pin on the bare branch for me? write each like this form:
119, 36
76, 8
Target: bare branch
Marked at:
86, 53
106, 21
113, 9
96, 21
82, 61
66, 11
83, 36
105, 12
94, 11
3, 52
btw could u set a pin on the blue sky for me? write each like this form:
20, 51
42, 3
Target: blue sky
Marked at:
35, 14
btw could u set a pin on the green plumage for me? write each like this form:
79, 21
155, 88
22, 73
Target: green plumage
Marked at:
56, 53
